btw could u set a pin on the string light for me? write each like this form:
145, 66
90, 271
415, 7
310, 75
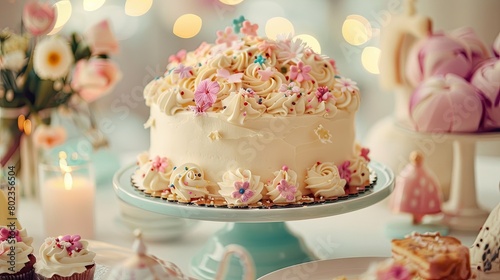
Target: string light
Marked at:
187, 26
278, 25
137, 8
370, 59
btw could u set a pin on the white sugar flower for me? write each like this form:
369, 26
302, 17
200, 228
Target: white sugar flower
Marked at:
52, 58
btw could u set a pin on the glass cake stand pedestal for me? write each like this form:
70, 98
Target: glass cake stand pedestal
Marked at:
262, 232
461, 210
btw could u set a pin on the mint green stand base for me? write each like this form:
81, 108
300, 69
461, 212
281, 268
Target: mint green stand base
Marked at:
271, 245
400, 229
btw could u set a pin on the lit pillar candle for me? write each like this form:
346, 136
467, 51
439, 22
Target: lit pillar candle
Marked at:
67, 193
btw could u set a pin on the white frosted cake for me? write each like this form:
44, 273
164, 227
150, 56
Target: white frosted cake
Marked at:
249, 120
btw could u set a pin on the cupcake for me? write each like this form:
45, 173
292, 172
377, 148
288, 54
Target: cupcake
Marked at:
16, 255
65, 258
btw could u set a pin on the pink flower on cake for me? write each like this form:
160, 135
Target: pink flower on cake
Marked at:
231, 78
344, 171
287, 190
323, 94
289, 89
159, 164
101, 39
291, 52
205, 95
266, 74
184, 71
267, 47
346, 85
242, 191
249, 29
95, 78
177, 58
5, 234
70, 242
47, 137
227, 36
39, 18
300, 72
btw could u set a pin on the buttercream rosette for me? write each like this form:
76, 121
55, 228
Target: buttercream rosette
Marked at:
443, 104
284, 188
323, 180
437, 54
487, 79
16, 243
156, 175
187, 182
65, 258
240, 187
360, 174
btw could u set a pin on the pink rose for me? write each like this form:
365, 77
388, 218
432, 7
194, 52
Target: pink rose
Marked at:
446, 104
46, 136
487, 79
438, 54
94, 78
477, 48
101, 40
39, 18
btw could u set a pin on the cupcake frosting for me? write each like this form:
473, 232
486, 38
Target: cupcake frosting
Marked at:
63, 256
21, 243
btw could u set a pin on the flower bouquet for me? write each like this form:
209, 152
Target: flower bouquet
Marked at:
40, 73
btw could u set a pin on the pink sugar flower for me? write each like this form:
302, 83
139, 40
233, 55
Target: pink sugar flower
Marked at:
5, 234
266, 74
344, 171
346, 85
206, 93
267, 47
39, 17
177, 58
300, 72
242, 191
184, 71
323, 94
70, 242
160, 164
227, 36
287, 190
289, 89
249, 29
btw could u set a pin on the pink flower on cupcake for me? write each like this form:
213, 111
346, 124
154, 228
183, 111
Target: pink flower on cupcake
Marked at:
39, 17
101, 39
94, 78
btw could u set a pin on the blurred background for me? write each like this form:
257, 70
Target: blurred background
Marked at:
150, 30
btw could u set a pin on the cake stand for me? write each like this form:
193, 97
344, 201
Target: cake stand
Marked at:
461, 210
262, 232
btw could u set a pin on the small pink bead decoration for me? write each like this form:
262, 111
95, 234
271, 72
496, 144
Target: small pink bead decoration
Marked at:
417, 191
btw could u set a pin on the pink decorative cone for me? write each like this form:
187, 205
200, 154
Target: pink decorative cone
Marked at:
417, 191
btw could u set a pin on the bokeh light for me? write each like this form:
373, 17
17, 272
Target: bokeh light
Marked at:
370, 59
312, 42
137, 8
278, 25
187, 26
231, 2
356, 30
64, 11
92, 5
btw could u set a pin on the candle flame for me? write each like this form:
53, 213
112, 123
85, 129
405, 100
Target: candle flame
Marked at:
68, 181
63, 164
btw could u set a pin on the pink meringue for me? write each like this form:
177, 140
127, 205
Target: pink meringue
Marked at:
478, 50
487, 79
446, 104
438, 54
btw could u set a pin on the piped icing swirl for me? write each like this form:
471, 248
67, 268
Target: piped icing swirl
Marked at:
188, 182
242, 105
284, 187
157, 174
22, 249
323, 180
240, 187
63, 256
262, 65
